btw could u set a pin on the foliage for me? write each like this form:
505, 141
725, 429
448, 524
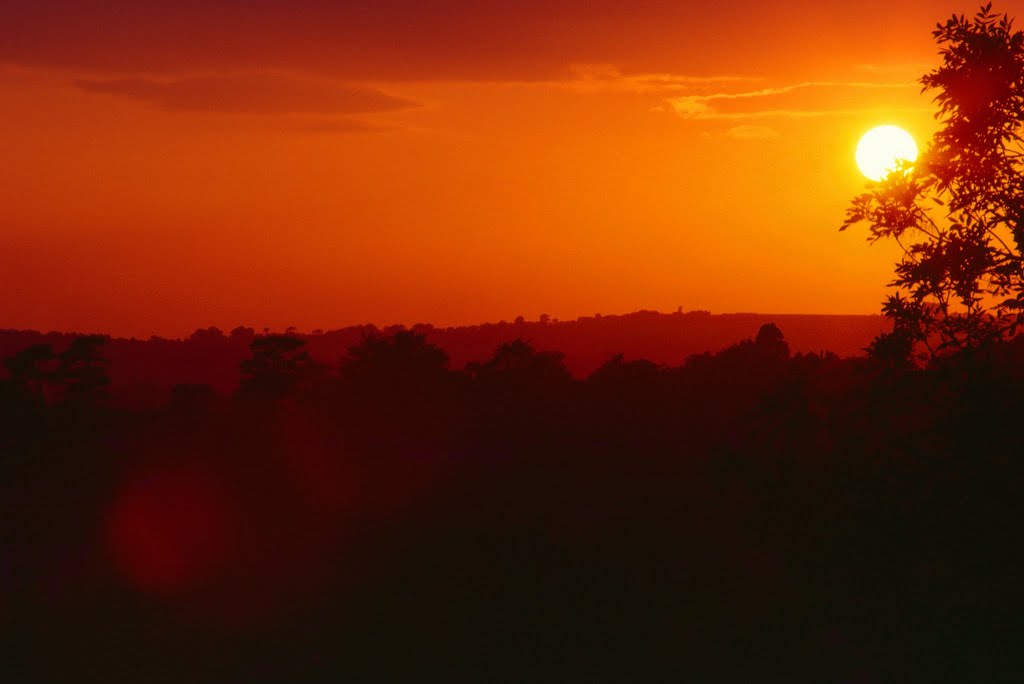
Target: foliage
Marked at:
389, 359
958, 213
83, 370
518, 361
30, 368
278, 365
78, 375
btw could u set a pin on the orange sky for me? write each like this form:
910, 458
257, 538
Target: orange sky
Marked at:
319, 164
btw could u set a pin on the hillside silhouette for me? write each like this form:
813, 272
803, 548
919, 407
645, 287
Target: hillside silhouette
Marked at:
146, 370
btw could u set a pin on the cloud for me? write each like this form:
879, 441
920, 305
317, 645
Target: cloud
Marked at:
736, 106
691, 108
249, 94
594, 78
908, 69
752, 132
451, 40
372, 40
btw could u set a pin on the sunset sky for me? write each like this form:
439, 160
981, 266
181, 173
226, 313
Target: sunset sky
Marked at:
174, 165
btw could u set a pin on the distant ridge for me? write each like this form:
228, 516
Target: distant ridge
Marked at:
211, 356
589, 341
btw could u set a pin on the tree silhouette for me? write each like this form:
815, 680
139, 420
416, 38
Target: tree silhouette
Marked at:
394, 398
31, 369
771, 343
958, 213
388, 361
517, 362
82, 370
279, 364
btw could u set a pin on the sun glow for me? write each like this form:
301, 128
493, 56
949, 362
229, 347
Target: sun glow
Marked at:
881, 150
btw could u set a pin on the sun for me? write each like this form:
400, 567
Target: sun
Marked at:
882, 148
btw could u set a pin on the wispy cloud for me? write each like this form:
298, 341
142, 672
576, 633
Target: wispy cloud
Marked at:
910, 69
268, 93
591, 78
712, 106
752, 132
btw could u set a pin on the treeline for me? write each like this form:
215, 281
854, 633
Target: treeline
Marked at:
144, 371
748, 515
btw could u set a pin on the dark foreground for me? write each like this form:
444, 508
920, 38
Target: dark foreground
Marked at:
749, 516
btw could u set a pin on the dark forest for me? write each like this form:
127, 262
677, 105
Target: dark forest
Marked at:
386, 518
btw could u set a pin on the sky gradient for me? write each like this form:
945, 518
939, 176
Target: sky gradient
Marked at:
169, 166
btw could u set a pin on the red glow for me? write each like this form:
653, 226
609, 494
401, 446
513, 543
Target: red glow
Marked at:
169, 531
